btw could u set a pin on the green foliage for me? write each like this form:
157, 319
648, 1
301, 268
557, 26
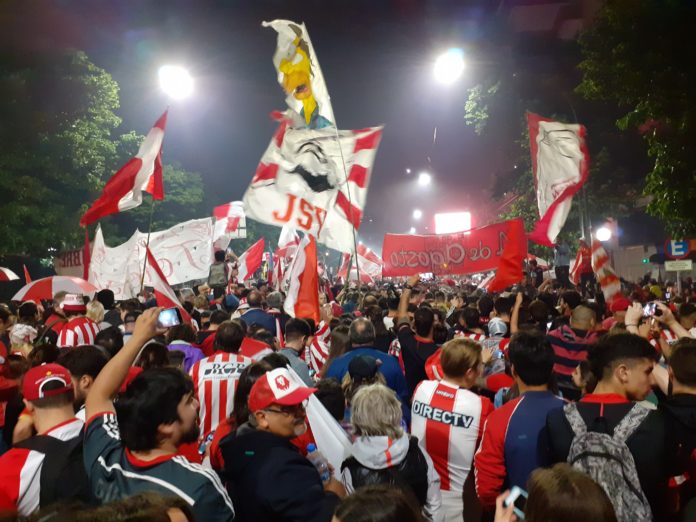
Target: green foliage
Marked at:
57, 119
639, 56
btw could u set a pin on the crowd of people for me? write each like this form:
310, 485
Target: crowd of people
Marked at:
541, 403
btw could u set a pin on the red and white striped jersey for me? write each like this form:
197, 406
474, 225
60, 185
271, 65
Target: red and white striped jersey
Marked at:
78, 331
254, 349
448, 421
318, 351
395, 351
20, 471
215, 380
469, 335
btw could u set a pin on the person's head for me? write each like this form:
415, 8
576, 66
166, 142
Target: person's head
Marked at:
682, 364
247, 378
298, 333
276, 360
5, 319
471, 317
339, 341
533, 263
687, 315
84, 364
539, 311
618, 308
228, 337
275, 300
497, 327
106, 298
381, 503
568, 301
531, 357
583, 318
58, 299
158, 407
423, 320
95, 311
363, 370
153, 355
440, 333
47, 388
181, 332
43, 354
503, 307
254, 299
376, 412
623, 363
461, 361
219, 256
176, 359
276, 404
111, 339
362, 332
28, 313
564, 494
583, 379
129, 319
217, 318
330, 394
485, 305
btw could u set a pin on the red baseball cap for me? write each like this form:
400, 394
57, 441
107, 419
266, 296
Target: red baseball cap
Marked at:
619, 304
38, 377
277, 387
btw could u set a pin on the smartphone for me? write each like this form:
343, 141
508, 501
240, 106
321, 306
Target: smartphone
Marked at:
649, 309
169, 317
518, 499
498, 354
668, 295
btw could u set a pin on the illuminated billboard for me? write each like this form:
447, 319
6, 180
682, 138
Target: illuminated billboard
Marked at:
448, 222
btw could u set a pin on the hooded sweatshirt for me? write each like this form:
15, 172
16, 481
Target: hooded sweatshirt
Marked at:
380, 453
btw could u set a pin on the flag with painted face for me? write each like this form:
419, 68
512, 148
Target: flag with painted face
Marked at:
300, 76
301, 182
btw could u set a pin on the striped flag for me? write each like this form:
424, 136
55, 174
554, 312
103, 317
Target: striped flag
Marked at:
250, 261
164, 294
303, 282
608, 280
143, 173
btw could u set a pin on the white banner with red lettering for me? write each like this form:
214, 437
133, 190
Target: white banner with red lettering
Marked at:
301, 182
184, 252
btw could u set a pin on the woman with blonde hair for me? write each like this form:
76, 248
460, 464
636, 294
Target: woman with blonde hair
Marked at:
383, 453
95, 311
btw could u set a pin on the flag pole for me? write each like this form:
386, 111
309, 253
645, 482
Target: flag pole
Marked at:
147, 244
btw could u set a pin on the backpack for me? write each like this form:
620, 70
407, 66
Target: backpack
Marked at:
217, 275
63, 474
608, 461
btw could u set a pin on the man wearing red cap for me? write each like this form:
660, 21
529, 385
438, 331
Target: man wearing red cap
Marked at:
267, 477
47, 467
617, 307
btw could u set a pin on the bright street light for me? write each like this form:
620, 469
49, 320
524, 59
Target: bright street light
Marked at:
175, 81
412, 230
603, 234
424, 179
449, 66
417, 214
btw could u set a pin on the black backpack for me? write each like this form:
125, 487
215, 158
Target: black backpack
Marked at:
63, 474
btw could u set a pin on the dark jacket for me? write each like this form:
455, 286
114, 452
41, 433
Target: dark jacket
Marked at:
269, 480
646, 444
679, 412
262, 318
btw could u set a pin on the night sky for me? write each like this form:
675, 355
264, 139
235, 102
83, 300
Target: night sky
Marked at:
377, 60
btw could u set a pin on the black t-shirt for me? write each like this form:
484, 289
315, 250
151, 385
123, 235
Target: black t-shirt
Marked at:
414, 352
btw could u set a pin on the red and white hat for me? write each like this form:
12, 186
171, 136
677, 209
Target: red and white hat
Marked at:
277, 387
73, 303
243, 304
36, 379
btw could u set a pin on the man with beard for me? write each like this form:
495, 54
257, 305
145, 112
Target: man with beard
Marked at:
131, 447
266, 475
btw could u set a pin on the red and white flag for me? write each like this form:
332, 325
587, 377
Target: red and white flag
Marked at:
366, 262
27, 277
288, 241
303, 282
275, 273
143, 173
344, 267
250, 261
560, 162
229, 216
607, 278
164, 294
301, 182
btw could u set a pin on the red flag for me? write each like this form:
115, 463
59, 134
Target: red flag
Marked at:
27, 277
250, 261
303, 292
560, 163
124, 190
509, 269
164, 294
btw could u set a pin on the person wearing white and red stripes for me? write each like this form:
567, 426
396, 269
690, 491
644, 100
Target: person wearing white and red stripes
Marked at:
215, 378
48, 395
448, 420
79, 329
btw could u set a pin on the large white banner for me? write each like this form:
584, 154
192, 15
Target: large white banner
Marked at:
183, 252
